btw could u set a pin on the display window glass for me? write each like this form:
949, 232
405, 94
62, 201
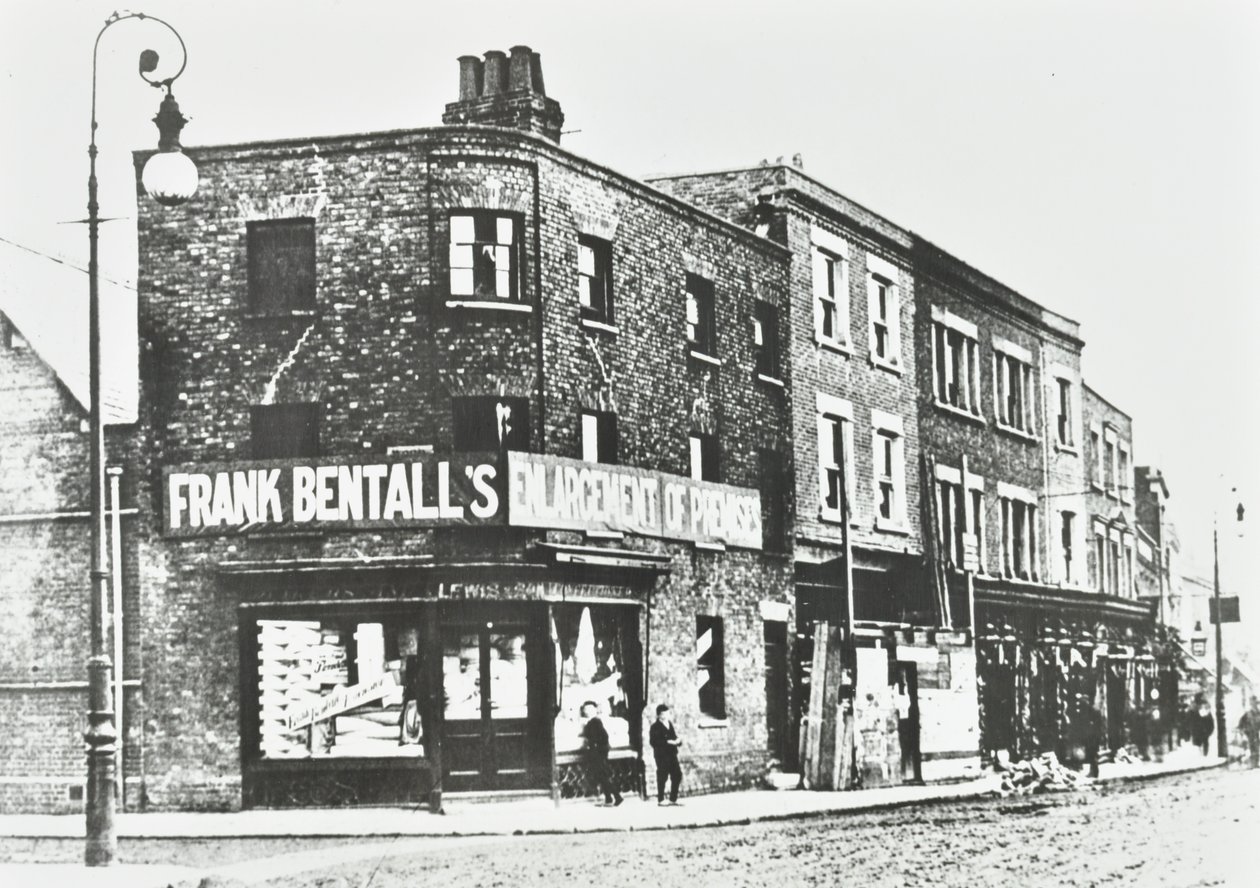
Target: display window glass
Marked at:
338, 688
590, 654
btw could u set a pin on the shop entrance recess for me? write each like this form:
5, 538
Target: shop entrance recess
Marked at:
487, 730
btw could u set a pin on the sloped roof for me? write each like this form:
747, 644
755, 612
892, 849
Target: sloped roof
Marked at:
47, 301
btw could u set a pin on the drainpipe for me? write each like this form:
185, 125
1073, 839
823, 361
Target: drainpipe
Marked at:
115, 558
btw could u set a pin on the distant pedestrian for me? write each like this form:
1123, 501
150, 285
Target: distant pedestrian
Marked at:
1095, 732
595, 754
1204, 724
1249, 727
665, 743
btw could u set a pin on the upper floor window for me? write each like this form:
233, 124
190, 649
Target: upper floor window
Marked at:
701, 316
284, 431
281, 265
1013, 389
960, 514
835, 457
1095, 458
884, 309
830, 269
1019, 533
766, 339
595, 279
489, 423
1124, 481
889, 461
1109, 465
704, 455
1063, 416
773, 488
956, 362
599, 436
484, 251
1067, 534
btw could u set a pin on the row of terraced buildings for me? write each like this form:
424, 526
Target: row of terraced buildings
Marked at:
443, 432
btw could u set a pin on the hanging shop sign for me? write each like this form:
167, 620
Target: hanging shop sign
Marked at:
424, 490
554, 492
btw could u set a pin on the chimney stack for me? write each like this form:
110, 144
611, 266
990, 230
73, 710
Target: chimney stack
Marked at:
506, 92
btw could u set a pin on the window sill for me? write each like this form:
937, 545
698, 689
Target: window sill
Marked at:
838, 346
960, 412
1066, 448
707, 359
488, 305
709, 547
770, 380
293, 313
893, 367
610, 329
1017, 433
828, 516
890, 525
1094, 486
711, 723
1111, 494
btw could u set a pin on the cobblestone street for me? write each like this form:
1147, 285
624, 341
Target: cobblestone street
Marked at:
1197, 829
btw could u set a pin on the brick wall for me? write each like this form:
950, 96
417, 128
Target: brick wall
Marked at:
383, 355
791, 206
996, 453
44, 587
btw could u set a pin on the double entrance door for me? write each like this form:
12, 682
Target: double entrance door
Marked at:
491, 718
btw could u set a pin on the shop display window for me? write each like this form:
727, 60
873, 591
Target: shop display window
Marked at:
338, 688
590, 657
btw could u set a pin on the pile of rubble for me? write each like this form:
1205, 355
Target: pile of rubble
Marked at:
1042, 774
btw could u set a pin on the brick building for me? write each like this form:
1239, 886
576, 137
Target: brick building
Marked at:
1112, 515
1001, 428
44, 543
853, 371
444, 432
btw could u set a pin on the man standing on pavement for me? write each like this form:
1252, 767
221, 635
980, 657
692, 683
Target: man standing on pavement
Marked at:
665, 743
595, 749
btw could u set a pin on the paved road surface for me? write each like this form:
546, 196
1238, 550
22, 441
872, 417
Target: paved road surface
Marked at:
1194, 830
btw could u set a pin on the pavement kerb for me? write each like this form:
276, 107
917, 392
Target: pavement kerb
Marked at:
949, 793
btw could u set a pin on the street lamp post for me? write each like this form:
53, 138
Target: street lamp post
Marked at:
1222, 745
170, 178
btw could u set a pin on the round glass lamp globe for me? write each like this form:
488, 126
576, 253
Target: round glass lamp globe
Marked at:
170, 177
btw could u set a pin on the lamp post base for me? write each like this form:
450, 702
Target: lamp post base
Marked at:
102, 844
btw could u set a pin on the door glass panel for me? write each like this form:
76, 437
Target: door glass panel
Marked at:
509, 675
461, 676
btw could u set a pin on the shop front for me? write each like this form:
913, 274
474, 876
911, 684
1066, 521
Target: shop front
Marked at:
448, 687
392, 679
1059, 670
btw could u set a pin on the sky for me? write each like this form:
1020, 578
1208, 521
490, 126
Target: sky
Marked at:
1098, 157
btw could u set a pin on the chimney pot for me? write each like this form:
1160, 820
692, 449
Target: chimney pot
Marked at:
469, 78
535, 69
495, 73
520, 73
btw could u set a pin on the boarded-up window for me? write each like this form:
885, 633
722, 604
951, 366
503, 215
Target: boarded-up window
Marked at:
282, 431
487, 423
281, 265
